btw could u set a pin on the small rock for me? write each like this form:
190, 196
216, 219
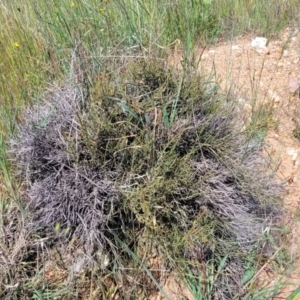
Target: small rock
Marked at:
294, 157
291, 151
285, 53
294, 84
236, 47
274, 96
204, 56
259, 42
280, 64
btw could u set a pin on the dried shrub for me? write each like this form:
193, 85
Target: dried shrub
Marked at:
139, 166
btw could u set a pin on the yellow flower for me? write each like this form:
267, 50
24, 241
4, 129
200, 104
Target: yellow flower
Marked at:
16, 44
73, 4
101, 10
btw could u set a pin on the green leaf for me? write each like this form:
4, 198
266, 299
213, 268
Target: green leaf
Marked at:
222, 264
129, 110
294, 295
166, 117
248, 275
37, 295
45, 120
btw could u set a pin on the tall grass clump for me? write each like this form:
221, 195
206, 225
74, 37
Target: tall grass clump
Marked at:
39, 37
48, 32
262, 17
130, 175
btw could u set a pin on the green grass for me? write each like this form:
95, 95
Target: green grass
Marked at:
98, 46
39, 37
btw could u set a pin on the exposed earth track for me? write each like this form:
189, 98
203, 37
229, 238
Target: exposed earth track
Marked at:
267, 75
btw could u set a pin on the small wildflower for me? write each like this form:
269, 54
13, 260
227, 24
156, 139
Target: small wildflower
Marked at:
16, 44
101, 10
73, 4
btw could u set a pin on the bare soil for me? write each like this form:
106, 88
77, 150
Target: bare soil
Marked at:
268, 75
